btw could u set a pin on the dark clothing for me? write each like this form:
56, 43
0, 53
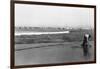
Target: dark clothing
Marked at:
85, 45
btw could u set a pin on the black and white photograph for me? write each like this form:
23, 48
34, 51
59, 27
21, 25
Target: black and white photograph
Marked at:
50, 34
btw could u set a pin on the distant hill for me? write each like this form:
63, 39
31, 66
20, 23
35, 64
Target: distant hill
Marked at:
40, 29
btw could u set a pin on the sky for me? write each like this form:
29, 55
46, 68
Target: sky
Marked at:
53, 16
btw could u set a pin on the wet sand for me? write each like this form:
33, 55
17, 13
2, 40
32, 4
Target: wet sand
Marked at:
47, 53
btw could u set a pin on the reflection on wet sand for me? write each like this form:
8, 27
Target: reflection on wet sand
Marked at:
46, 53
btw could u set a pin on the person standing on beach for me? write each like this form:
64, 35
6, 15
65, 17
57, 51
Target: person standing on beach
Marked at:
85, 44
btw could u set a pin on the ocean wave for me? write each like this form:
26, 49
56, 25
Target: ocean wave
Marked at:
40, 33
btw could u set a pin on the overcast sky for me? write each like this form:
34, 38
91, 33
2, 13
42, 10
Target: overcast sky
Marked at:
53, 16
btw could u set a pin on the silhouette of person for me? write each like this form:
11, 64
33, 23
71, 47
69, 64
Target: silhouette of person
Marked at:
85, 44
